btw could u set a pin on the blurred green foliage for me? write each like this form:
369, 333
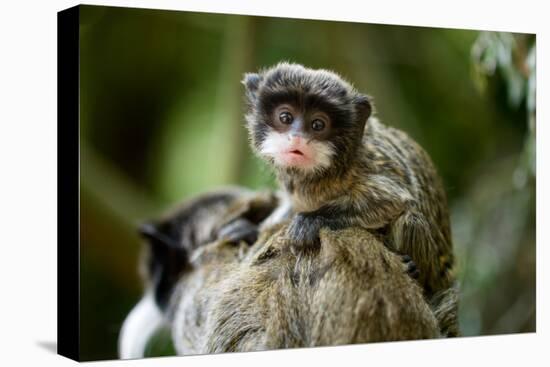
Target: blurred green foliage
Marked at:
161, 120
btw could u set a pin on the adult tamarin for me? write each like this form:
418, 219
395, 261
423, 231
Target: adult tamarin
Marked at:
229, 214
341, 167
219, 294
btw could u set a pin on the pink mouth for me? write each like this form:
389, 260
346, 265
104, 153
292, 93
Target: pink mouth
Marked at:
296, 152
295, 157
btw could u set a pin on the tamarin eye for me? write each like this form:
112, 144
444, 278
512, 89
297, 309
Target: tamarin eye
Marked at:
286, 118
317, 125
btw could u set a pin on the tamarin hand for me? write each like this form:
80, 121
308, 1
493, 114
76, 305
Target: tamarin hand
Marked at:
411, 267
239, 230
303, 231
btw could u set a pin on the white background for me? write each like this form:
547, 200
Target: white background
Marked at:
28, 182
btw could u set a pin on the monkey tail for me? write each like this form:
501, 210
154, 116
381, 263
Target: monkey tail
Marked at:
140, 325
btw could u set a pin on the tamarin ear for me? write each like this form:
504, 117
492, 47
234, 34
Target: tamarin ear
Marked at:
148, 230
363, 107
155, 236
251, 82
166, 260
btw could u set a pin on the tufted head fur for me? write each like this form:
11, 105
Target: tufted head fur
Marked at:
306, 90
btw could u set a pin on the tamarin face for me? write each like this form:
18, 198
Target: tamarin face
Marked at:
304, 120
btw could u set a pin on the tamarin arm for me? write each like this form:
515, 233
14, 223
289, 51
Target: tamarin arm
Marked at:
379, 201
374, 205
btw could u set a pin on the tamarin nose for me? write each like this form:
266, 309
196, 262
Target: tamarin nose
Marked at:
295, 137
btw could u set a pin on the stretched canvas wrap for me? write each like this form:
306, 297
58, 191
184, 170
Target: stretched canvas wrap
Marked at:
233, 183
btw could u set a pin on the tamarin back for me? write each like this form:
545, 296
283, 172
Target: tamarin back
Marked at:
353, 290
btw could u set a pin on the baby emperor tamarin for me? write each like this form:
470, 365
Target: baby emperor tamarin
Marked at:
341, 167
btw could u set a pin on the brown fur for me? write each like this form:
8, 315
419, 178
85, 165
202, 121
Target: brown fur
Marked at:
350, 290
380, 179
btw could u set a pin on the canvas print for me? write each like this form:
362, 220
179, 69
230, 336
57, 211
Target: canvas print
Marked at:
253, 183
